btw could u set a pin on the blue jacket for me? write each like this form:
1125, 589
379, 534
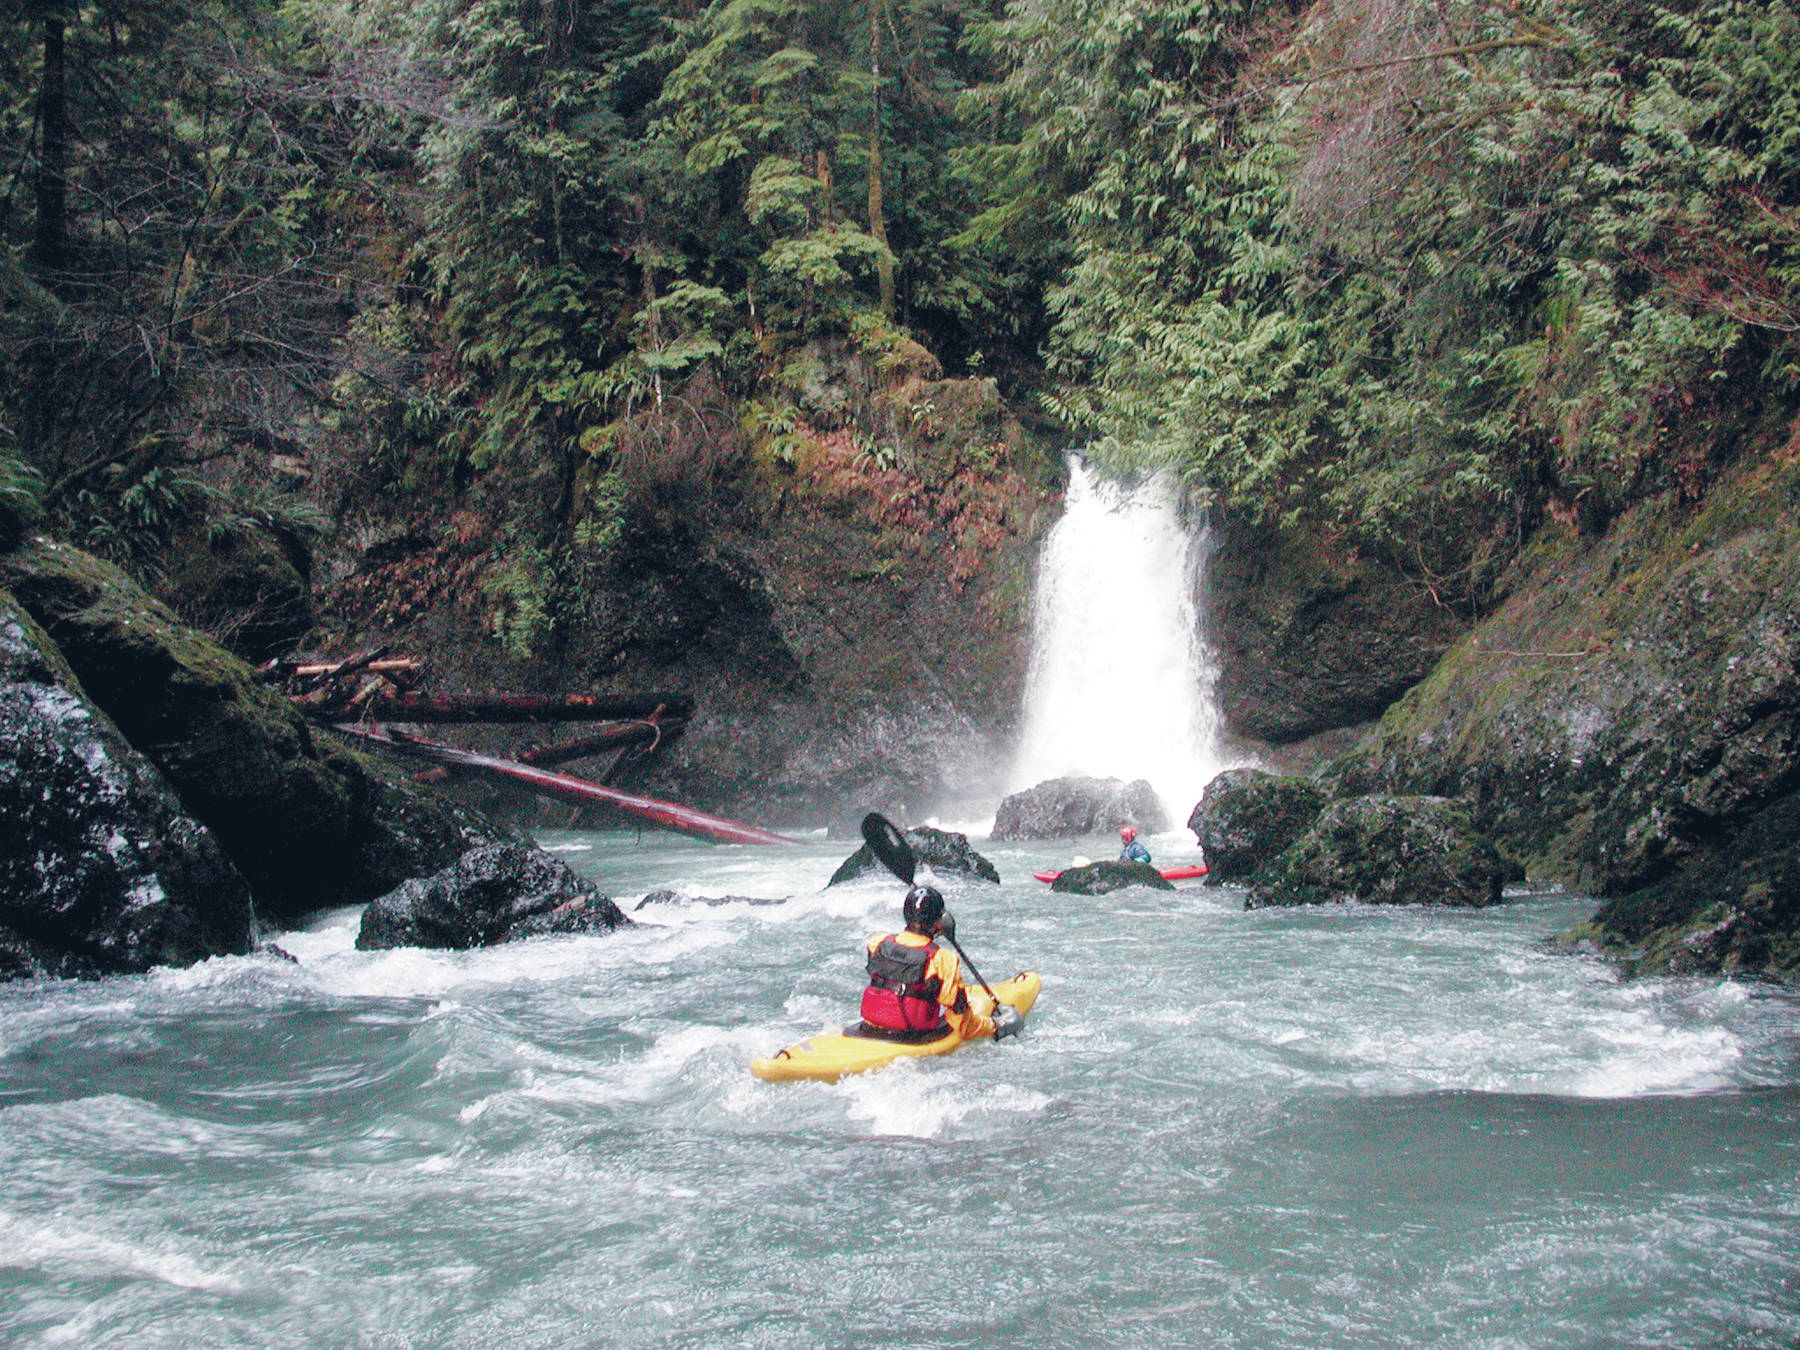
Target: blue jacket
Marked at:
1134, 852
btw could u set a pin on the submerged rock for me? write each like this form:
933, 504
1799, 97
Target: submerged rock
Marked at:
1100, 877
1383, 850
677, 898
1060, 808
942, 850
101, 872
1245, 817
498, 893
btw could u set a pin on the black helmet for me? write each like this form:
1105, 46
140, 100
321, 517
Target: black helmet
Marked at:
923, 909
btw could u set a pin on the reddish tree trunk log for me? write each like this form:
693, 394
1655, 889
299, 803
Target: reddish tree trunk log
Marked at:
623, 734
568, 788
484, 707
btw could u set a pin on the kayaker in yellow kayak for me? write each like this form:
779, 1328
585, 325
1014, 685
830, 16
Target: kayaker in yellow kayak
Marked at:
915, 988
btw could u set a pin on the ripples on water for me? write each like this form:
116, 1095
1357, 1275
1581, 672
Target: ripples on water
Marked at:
1339, 1127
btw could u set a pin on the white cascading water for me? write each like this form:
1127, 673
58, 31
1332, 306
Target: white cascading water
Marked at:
1121, 682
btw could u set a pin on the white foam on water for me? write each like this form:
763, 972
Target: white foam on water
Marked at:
112, 1126
65, 1247
923, 1099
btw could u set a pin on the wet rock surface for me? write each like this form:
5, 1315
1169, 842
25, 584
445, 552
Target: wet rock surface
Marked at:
1102, 877
1636, 699
944, 851
1246, 817
306, 821
1061, 808
1386, 850
1732, 909
101, 871
1310, 639
498, 893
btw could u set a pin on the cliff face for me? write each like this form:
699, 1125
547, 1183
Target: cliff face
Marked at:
852, 622
1311, 639
1632, 706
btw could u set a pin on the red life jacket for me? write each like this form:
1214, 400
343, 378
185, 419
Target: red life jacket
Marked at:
899, 997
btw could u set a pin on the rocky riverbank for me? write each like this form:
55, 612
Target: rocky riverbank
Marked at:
1628, 722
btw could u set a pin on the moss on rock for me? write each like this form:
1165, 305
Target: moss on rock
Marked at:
306, 822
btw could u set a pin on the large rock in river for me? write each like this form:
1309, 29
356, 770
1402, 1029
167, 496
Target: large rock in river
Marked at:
1101, 877
1732, 909
101, 872
498, 893
1383, 850
1246, 817
943, 851
306, 821
1060, 808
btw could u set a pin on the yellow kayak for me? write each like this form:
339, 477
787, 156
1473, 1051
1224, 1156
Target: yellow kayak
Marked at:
832, 1056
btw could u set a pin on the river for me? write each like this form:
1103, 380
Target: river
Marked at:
1337, 1127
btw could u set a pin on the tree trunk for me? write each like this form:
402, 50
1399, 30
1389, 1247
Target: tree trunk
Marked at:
509, 708
568, 788
884, 266
50, 241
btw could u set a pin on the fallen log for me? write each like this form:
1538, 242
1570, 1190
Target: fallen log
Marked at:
484, 707
567, 787
617, 736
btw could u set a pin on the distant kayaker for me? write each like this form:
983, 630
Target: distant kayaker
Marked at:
915, 986
1131, 850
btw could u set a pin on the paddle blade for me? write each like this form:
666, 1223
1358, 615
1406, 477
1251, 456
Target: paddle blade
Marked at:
890, 846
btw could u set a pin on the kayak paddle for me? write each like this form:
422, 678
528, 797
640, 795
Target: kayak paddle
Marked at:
890, 846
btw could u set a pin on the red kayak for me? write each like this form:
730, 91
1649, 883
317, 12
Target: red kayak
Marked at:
1182, 873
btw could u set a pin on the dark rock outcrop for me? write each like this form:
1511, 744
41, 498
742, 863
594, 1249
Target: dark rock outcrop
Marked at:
1383, 850
1060, 808
1636, 699
943, 851
1309, 638
1245, 817
498, 893
306, 821
101, 872
1730, 909
1100, 877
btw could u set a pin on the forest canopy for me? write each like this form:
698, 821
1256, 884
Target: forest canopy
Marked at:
1415, 275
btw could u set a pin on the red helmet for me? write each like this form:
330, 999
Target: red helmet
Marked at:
1127, 833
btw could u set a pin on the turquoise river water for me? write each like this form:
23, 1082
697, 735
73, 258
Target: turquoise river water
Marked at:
1338, 1127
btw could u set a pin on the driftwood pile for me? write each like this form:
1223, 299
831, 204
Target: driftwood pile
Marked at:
364, 696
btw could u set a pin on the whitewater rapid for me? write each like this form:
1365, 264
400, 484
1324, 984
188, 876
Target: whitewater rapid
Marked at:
1347, 1126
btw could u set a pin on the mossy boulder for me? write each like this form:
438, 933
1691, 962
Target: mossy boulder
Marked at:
944, 851
493, 894
1732, 909
306, 821
1636, 696
1099, 878
101, 871
248, 588
1061, 808
1386, 850
1246, 817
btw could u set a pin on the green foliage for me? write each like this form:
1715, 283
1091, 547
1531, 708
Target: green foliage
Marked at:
1462, 264
519, 596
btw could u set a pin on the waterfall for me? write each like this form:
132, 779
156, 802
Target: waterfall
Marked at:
1120, 683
